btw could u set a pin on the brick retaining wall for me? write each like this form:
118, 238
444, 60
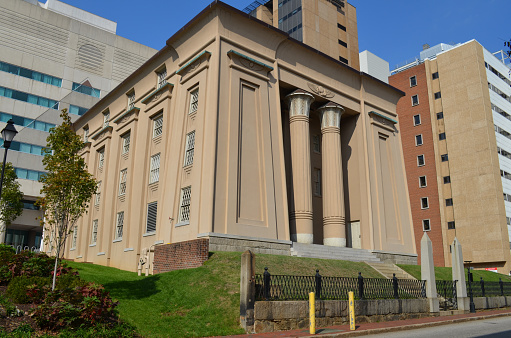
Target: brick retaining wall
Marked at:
182, 255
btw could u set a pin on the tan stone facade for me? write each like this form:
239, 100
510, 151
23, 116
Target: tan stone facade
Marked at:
465, 163
233, 128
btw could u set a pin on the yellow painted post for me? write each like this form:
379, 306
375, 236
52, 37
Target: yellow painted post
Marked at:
351, 310
312, 313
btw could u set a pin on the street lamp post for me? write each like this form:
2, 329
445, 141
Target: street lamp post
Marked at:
8, 134
471, 294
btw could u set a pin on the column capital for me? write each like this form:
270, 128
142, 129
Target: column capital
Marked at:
299, 103
330, 115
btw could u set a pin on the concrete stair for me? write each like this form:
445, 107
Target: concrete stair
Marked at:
388, 270
332, 252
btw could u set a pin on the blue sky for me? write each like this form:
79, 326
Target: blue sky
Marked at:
395, 30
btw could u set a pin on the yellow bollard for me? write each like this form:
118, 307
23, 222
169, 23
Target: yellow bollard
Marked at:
351, 310
312, 313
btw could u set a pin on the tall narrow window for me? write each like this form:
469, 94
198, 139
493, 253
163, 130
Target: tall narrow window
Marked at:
126, 143
122, 182
316, 143
418, 140
317, 182
119, 226
184, 209
152, 211
162, 74
424, 203
106, 119
131, 100
416, 120
420, 160
415, 100
190, 145
194, 101
101, 157
425, 225
85, 135
94, 233
75, 237
441, 136
98, 194
422, 181
154, 174
157, 125
413, 81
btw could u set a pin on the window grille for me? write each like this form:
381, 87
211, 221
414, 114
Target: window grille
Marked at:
184, 210
158, 126
101, 158
126, 143
317, 182
194, 101
122, 182
94, 236
152, 211
131, 101
98, 194
120, 222
162, 78
75, 237
190, 145
106, 119
154, 175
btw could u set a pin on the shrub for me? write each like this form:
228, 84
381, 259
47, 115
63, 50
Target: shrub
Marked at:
40, 265
115, 330
83, 307
18, 287
8, 308
6, 255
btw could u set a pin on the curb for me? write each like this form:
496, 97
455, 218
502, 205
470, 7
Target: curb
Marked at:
410, 327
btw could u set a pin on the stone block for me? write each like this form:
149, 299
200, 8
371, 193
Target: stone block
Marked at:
480, 303
263, 326
496, 302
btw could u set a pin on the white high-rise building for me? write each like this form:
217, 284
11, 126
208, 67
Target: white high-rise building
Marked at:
52, 56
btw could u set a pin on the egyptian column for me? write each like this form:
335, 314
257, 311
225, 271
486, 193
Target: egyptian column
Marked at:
300, 212
334, 232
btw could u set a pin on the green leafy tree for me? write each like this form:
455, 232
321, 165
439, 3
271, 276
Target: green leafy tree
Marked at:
67, 186
10, 203
508, 45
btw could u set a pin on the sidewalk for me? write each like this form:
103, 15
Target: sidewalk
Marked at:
382, 327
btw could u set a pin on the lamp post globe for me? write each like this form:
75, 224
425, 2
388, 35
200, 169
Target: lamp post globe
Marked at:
8, 134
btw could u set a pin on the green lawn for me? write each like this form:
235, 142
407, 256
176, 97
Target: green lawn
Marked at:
203, 301
444, 273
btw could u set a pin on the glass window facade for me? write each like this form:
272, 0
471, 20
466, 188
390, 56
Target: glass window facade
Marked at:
25, 97
81, 88
30, 74
26, 122
77, 110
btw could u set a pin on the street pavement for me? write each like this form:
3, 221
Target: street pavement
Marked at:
488, 323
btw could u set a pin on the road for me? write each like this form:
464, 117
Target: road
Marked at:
494, 328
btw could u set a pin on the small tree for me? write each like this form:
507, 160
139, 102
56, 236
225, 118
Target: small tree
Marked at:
67, 186
10, 202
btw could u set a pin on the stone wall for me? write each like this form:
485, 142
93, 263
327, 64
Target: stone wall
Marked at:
289, 315
396, 258
223, 242
492, 302
182, 255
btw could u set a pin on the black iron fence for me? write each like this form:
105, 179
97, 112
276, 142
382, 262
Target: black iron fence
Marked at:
283, 287
490, 289
446, 290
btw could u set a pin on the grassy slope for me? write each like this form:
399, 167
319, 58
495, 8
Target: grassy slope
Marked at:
444, 273
202, 301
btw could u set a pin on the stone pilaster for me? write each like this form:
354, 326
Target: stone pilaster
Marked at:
300, 211
334, 224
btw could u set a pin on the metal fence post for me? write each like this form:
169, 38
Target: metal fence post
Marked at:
394, 284
266, 284
482, 286
501, 287
318, 285
360, 286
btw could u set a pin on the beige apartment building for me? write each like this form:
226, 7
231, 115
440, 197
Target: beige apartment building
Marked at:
236, 129
329, 26
456, 139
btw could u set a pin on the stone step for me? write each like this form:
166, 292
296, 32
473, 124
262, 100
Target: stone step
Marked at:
388, 270
329, 252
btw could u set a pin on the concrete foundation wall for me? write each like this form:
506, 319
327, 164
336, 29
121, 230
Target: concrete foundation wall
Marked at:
394, 258
492, 302
221, 242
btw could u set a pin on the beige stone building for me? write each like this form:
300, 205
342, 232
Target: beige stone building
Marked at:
456, 136
235, 129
